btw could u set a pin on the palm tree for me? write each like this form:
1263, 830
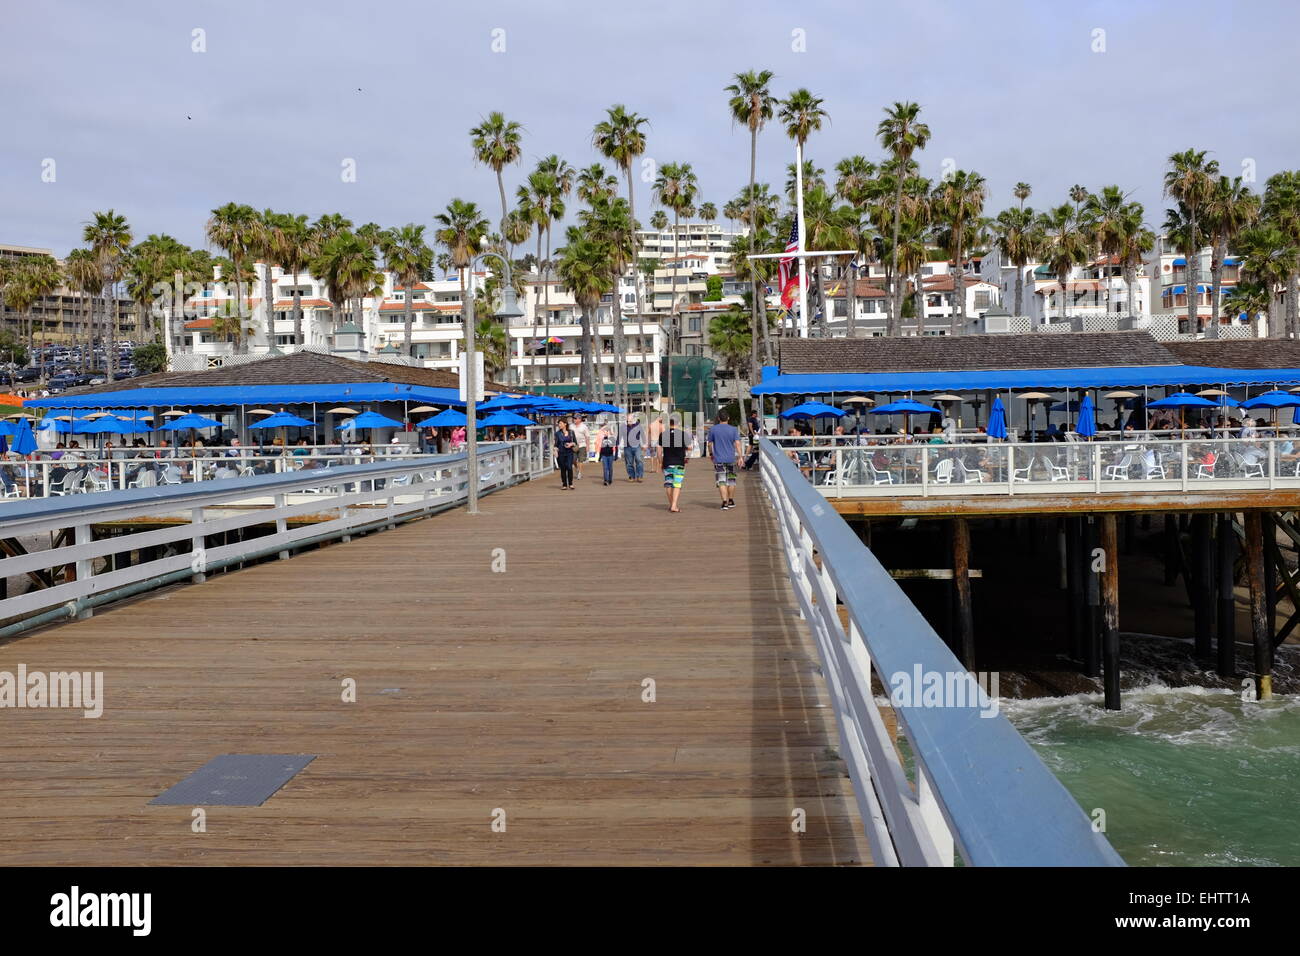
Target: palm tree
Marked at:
659, 220
33, 278
1065, 246
462, 232
675, 188
1251, 299
1190, 181
918, 218
84, 276
1281, 207
496, 144
620, 138
265, 245
595, 183
731, 337
1104, 213
1022, 191
901, 133
958, 201
109, 238
802, 115
1019, 239
1231, 208
346, 263
1269, 258
233, 228
151, 263
813, 177
408, 257
826, 224
490, 338
1135, 241
610, 223
708, 212
295, 247
584, 267
752, 104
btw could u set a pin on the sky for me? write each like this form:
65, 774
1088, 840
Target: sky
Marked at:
124, 105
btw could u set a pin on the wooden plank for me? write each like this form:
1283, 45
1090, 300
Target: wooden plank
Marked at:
477, 689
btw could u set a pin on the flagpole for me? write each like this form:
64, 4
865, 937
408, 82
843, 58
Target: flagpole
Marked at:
803, 265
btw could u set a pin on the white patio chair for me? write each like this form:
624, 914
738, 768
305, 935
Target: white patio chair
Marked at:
943, 472
1152, 467
1251, 467
1119, 471
1056, 472
69, 484
1025, 473
879, 477
1205, 471
970, 476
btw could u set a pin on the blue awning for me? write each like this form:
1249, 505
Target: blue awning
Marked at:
999, 380
234, 395
1181, 289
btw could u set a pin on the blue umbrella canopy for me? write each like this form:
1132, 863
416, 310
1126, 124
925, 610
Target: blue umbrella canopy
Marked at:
189, 421
110, 425
509, 401
906, 406
370, 420
997, 426
283, 420
1273, 400
813, 410
8, 429
24, 442
451, 418
504, 417
1087, 424
1182, 400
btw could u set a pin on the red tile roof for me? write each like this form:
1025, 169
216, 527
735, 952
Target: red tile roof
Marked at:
280, 304
420, 307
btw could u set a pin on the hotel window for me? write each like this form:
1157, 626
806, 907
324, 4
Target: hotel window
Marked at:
693, 324
981, 300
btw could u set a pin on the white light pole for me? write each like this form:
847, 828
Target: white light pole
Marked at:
803, 262
509, 310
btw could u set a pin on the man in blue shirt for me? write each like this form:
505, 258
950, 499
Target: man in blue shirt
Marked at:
724, 448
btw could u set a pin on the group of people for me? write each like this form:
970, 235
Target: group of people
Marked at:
666, 444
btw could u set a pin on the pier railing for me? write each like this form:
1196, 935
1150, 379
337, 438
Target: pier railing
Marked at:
965, 780
845, 469
191, 529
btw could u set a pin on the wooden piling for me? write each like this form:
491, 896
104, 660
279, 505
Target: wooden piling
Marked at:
1260, 635
1203, 585
1092, 610
965, 621
1227, 629
1110, 611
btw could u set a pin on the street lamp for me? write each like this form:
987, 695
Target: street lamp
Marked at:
509, 310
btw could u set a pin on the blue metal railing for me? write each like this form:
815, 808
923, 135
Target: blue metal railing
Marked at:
979, 788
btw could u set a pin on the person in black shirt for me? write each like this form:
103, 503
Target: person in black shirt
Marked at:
674, 441
566, 447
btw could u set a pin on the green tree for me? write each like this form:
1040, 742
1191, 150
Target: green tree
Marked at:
584, 267
496, 143
1231, 208
675, 188
1065, 246
462, 230
109, 238
408, 257
1019, 239
901, 133
1281, 208
620, 139
150, 358
233, 228
1190, 180
958, 201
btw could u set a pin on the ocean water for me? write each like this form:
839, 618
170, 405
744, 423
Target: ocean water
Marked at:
1187, 776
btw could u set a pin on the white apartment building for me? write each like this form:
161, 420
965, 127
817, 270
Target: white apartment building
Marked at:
938, 282
1168, 269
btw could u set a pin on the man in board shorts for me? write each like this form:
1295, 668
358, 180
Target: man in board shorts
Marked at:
724, 449
656, 430
672, 452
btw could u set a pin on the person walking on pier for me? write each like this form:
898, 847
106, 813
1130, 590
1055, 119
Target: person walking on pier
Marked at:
581, 435
565, 450
724, 448
673, 443
607, 450
634, 449
656, 432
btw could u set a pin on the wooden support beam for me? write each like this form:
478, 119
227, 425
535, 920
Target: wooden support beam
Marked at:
1092, 610
1074, 592
1260, 633
1203, 585
1110, 611
1227, 629
965, 620
14, 549
929, 574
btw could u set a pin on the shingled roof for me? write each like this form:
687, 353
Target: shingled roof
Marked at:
972, 353
1239, 353
298, 368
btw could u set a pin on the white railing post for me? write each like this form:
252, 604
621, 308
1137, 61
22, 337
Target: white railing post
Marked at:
198, 563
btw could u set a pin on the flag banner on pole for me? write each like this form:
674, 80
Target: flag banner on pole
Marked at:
789, 271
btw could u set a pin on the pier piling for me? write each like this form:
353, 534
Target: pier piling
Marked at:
1227, 630
1110, 611
965, 621
1260, 636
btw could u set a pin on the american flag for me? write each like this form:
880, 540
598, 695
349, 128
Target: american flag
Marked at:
789, 271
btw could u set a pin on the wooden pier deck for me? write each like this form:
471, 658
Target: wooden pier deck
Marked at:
476, 690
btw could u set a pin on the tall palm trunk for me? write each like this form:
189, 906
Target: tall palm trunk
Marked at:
588, 376
1130, 285
1292, 305
1065, 305
675, 336
297, 314
501, 187
546, 316
851, 299
620, 357
1217, 253
268, 302
895, 320
636, 254
768, 356
1020, 289
918, 301
823, 322
1193, 260
957, 321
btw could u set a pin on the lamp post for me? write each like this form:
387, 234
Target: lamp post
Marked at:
509, 310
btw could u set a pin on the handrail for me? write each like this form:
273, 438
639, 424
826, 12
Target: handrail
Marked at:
978, 783
323, 503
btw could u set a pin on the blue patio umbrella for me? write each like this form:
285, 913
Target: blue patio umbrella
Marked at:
8, 429
1182, 401
283, 420
906, 406
503, 418
997, 426
24, 442
110, 426
369, 420
813, 410
1087, 424
189, 421
510, 401
1274, 400
451, 418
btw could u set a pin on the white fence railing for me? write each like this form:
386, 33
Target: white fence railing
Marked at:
972, 786
190, 529
844, 469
